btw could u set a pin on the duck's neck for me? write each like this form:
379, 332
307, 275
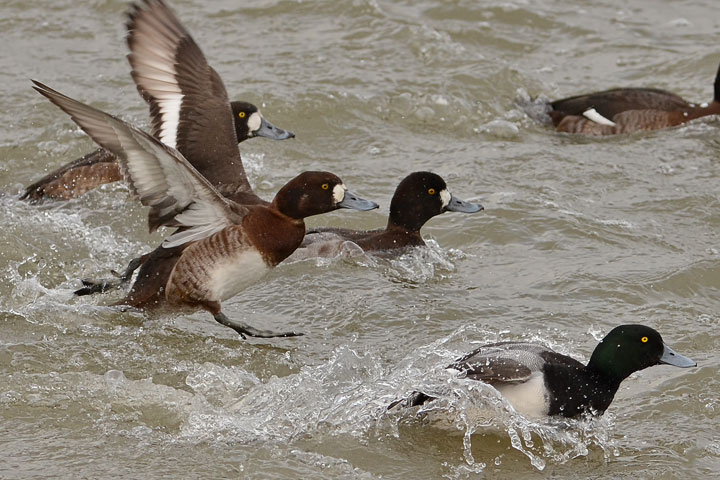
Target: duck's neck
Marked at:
604, 363
409, 222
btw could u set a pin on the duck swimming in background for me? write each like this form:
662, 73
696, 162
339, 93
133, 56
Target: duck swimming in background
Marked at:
627, 110
222, 246
419, 197
538, 381
100, 167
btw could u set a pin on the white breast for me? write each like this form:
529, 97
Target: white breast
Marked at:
236, 273
528, 398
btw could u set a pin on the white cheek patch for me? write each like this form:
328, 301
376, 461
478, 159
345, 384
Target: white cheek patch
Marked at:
339, 192
445, 197
254, 122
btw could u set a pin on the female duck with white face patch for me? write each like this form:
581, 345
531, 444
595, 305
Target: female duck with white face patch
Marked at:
222, 246
418, 198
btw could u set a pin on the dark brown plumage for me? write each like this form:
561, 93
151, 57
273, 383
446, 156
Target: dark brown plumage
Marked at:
418, 197
189, 111
626, 110
189, 106
100, 167
75, 178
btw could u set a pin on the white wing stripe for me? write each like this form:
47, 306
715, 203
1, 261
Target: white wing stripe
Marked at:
161, 176
592, 115
154, 63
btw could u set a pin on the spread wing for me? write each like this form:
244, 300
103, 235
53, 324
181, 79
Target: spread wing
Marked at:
507, 362
189, 106
178, 196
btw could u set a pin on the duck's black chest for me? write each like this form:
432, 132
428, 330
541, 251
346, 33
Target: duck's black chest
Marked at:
573, 390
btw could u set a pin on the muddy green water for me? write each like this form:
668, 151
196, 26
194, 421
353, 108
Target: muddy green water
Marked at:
578, 235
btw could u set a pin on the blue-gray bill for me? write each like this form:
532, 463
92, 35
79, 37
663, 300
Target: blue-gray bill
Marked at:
457, 205
670, 357
268, 130
356, 203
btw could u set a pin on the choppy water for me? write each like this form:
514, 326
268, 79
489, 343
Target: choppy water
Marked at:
578, 236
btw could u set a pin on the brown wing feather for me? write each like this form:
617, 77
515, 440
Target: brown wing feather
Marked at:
189, 105
177, 194
75, 178
611, 102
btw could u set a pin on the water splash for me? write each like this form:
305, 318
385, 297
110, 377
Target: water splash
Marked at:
349, 395
471, 409
416, 265
537, 108
421, 265
254, 164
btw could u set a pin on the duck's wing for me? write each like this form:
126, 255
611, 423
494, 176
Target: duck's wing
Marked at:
497, 363
75, 178
189, 106
178, 196
611, 102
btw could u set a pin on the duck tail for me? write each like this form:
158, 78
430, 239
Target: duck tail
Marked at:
716, 87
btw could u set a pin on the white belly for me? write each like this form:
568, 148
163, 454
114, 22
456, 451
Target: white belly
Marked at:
236, 273
528, 398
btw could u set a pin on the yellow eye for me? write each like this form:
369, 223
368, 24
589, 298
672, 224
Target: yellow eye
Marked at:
644, 339
241, 114
325, 186
431, 191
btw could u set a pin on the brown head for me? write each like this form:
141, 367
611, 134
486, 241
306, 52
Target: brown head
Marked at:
316, 192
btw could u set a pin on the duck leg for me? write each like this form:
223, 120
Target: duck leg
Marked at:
103, 285
246, 330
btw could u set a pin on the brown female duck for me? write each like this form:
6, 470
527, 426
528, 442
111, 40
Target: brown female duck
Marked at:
627, 110
221, 246
189, 109
419, 197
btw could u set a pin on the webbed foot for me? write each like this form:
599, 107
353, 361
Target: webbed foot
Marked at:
246, 330
103, 285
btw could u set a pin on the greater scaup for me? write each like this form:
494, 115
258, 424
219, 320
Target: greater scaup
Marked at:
190, 111
419, 197
100, 167
221, 246
538, 381
626, 110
